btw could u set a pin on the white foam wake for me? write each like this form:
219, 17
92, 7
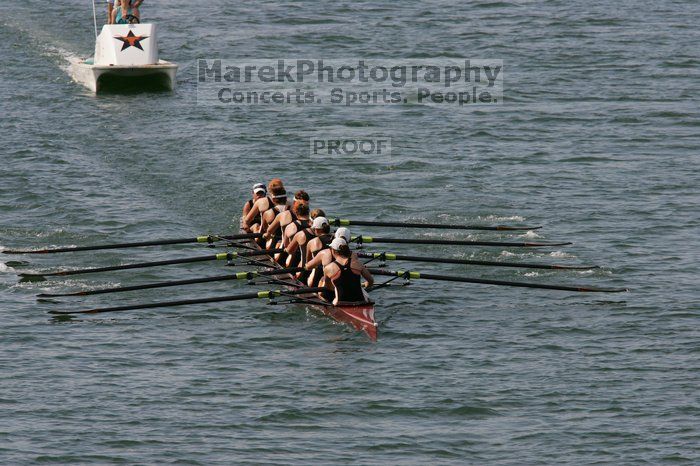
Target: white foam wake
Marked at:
4, 268
68, 62
496, 218
45, 44
561, 254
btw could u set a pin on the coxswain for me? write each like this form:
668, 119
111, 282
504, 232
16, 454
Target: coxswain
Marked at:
345, 273
259, 192
262, 205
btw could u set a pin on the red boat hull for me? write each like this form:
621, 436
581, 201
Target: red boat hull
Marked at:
359, 315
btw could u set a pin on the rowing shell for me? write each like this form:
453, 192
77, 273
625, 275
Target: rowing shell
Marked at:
359, 315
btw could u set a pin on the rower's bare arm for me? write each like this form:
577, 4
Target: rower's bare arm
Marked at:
255, 210
290, 231
292, 247
367, 276
296, 242
315, 262
310, 249
273, 227
267, 218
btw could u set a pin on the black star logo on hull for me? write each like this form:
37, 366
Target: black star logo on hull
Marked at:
131, 40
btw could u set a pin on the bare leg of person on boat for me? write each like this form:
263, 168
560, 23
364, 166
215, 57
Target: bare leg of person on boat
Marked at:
124, 8
110, 11
131, 7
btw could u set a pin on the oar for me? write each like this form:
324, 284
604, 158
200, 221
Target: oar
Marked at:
184, 302
371, 239
192, 281
366, 223
142, 265
446, 260
448, 278
158, 242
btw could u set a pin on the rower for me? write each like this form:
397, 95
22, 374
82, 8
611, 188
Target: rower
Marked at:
259, 192
317, 213
279, 204
262, 205
277, 228
317, 253
345, 273
298, 245
344, 233
300, 213
301, 222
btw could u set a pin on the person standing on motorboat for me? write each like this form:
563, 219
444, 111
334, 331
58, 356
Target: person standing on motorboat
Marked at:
110, 9
118, 10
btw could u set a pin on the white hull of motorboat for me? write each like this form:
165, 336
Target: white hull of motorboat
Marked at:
98, 77
126, 55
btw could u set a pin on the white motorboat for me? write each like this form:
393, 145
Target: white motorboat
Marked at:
126, 56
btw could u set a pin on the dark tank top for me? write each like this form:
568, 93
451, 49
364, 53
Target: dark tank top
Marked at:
348, 284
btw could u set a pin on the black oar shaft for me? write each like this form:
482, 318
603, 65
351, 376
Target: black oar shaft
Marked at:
448, 278
371, 239
143, 265
184, 302
345, 222
447, 260
191, 281
159, 242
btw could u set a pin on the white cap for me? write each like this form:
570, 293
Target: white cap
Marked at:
344, 233
259, 188
319, 223
337, 243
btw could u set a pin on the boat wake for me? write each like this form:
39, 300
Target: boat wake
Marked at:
4, 268
45, 45
562, 255
530, 234
500, 218
66, 59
